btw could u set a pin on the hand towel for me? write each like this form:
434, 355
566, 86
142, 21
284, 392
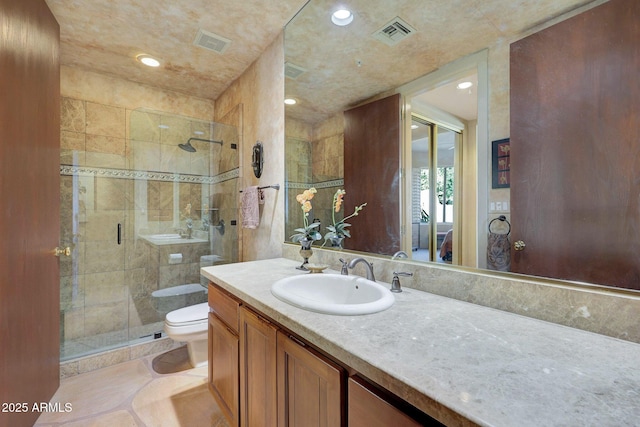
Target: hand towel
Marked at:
250, 208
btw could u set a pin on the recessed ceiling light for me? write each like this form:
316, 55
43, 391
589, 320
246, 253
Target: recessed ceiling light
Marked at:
464, 85
342, 17
147, 60
290, 101
198, 132
414, 126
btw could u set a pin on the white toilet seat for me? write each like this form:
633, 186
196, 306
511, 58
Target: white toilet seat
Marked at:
184, 323
190, 325
188, 315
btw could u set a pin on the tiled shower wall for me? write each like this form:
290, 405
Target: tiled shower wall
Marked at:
143, 184
314, 158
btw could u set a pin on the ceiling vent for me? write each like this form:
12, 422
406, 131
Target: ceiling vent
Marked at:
293, 71
394, 31
211, 41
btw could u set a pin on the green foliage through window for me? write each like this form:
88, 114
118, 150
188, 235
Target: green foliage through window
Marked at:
444, 184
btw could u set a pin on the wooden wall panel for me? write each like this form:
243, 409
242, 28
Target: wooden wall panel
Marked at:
575, 151
372, 175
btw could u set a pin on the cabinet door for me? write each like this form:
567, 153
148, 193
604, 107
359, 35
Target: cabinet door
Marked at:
224, 380
309, 387
225, 306
257, 371
368, 409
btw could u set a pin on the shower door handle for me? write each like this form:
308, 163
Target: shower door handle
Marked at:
119, 233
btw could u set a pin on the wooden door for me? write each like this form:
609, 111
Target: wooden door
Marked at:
309, 387
224, 376
372, 175
258, 399
29, 212
575, 151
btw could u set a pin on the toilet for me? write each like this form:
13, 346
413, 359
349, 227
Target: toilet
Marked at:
190, 325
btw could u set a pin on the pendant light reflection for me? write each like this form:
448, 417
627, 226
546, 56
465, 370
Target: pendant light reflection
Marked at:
147, 60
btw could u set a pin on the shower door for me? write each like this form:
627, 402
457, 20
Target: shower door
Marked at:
126, 198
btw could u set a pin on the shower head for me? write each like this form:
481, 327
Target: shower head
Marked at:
190, 148
187, 147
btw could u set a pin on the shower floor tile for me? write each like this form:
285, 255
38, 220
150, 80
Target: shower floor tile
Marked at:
160, 390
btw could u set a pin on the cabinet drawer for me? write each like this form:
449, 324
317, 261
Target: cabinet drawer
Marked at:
225, 306
368, 408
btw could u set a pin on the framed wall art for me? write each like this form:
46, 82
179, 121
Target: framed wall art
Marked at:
501, 163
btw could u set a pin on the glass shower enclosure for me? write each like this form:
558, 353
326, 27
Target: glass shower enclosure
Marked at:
141, 223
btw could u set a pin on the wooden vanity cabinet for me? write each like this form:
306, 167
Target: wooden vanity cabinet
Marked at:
310, 389
369, 406
258, 398
261, 375
224, 372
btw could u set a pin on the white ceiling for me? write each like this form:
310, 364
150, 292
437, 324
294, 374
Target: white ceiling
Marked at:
462, 103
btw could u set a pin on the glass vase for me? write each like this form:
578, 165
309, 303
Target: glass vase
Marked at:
336, 242
305, 253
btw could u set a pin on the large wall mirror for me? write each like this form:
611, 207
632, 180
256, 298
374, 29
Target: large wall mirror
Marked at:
423, 51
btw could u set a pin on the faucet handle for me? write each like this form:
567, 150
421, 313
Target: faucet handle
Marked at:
402, 273
345, 269
395, 282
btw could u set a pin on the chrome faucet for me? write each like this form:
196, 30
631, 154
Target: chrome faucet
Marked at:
189, 228
400, 254
395, 283
370, 274
345, 269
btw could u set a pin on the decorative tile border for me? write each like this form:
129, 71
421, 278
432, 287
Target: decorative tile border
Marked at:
148, 175
324, 184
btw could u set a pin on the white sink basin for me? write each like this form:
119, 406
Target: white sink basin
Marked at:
333, 294
164, 236
171, 239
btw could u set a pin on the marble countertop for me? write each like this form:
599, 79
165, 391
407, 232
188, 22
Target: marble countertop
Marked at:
450, 357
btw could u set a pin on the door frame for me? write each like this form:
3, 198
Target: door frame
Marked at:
452, 71
453, 125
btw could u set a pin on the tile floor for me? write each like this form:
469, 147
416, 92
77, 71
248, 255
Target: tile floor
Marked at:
155, 391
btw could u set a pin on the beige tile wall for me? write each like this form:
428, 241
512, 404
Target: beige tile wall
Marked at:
314, 155
260, 92
105, 287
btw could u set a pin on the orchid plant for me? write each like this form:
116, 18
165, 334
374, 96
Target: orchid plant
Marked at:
309, 231
339, 228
